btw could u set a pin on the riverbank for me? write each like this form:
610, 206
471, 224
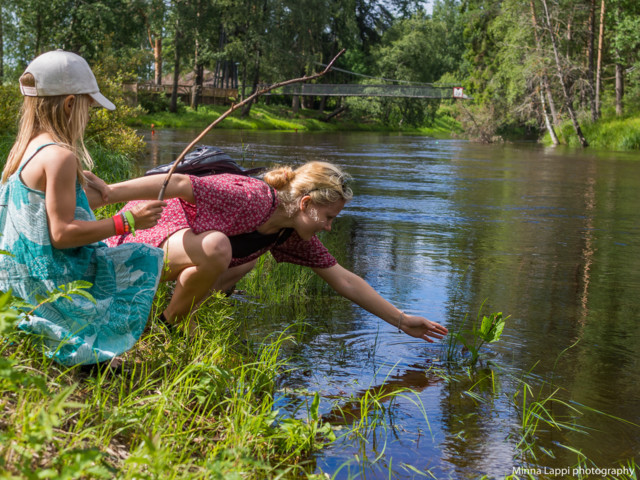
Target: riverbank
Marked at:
181, 408
240, 400
280, 118
609, 133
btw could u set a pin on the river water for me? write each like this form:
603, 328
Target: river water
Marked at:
445, 228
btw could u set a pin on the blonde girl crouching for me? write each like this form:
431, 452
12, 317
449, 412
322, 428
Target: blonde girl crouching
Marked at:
214, 233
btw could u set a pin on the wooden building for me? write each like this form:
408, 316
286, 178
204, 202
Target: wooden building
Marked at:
210, 93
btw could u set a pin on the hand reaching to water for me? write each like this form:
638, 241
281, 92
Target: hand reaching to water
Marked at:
420, 327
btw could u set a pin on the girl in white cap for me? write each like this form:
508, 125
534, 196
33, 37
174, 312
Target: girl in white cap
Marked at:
50, 231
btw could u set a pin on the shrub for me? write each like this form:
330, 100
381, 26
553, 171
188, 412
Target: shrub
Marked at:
393, 112
108, 128
10, 102
105, 128
154, 102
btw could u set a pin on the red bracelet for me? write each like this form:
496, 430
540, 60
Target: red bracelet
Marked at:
119, 224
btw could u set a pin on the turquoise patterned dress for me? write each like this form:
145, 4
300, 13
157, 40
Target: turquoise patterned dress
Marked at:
124, 279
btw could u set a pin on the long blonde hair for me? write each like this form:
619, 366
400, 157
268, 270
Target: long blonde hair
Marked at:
324, 182
46, 114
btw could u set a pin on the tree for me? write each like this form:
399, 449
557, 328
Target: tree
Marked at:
419, 49
1, 45
155, 18
544, 81
561, 77
591, 58
177, 18
246, 23
599, 62
625, 43
34, 34
302, 25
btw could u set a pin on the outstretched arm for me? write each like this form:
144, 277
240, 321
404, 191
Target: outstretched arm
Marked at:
351, 286
142, 188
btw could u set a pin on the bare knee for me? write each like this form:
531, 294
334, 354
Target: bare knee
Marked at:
216, 250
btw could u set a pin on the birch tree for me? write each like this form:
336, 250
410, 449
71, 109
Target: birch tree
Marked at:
568, 100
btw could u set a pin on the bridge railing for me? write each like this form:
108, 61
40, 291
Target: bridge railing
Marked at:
360, 90
207, 94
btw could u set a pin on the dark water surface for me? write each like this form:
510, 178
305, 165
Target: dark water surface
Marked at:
550, 237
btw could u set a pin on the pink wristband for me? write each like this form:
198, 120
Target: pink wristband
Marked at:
119, 224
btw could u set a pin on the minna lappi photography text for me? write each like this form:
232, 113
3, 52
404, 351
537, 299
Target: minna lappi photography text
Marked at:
576, 472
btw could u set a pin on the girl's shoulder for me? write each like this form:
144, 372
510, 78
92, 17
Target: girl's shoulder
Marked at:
48, 153
51, 162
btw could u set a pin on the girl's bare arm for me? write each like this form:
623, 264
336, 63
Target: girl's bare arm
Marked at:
351, 286
142, 188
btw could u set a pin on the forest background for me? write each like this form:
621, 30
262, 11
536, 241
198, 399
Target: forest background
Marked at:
564, 68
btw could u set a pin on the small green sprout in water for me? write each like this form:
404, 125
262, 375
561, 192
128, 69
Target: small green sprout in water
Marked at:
487, 330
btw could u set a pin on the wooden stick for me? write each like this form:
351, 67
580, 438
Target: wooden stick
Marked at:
234, 108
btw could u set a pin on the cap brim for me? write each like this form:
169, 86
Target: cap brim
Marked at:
102, 101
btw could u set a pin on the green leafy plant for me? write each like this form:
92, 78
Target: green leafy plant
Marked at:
10, 101
487, 329
42, 411
65, 291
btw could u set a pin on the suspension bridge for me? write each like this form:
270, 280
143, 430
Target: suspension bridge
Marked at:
384, 87
211, 90
368, 90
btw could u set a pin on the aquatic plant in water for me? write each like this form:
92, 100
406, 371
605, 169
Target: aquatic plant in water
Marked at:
487, 329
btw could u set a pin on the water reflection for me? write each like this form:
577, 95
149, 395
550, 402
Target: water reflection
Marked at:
548, 236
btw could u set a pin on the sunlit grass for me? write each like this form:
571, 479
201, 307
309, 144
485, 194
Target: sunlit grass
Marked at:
279, 118
181, 408
610, 133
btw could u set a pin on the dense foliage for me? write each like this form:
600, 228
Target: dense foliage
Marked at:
530, 65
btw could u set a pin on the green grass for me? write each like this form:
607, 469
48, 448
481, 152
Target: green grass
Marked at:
263, 117
609, 133
183, 408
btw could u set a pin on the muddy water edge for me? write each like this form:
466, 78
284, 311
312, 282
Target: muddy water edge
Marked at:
445, 228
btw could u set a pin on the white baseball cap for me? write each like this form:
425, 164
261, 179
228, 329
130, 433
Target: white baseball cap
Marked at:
63, 73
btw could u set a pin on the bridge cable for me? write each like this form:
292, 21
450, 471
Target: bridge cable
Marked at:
388, 79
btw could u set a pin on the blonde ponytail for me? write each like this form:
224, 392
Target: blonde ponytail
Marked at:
324, 182
279, 178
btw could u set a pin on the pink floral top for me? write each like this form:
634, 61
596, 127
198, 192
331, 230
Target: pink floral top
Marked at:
231, 204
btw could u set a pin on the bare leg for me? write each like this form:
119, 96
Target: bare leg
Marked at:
195, 262
228, 279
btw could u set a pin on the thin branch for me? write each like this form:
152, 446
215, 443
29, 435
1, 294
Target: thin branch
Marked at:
234, 108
